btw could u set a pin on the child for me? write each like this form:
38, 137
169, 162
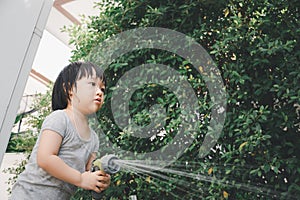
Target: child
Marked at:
63, 154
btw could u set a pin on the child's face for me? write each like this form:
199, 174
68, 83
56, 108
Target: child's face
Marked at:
88, 96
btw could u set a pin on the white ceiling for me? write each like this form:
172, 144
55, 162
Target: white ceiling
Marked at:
68, 12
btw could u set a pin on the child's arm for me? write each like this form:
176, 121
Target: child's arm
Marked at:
48, 160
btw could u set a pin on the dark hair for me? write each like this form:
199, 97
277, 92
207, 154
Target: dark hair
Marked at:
67, 79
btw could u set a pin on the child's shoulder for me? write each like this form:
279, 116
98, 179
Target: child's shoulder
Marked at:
57, 115
57, 120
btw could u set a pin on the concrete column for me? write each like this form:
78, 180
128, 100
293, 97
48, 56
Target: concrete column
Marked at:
22, 24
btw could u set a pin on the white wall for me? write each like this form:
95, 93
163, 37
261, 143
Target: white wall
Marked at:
51, 57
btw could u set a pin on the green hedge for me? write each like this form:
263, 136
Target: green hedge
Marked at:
255, 45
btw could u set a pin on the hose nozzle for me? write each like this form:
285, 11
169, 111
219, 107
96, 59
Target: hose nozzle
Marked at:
106, 163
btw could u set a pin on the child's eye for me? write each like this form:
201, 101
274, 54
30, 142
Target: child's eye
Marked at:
93, 83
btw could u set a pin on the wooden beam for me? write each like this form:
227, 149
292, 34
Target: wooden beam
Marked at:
58, 5
39, 77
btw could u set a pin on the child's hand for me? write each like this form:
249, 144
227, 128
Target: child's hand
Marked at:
104, 179
96, 181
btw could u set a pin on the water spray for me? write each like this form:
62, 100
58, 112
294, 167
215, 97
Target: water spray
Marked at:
107, 164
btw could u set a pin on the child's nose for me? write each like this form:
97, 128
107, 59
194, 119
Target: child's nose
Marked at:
99, 91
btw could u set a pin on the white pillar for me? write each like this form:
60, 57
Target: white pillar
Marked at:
22, 23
